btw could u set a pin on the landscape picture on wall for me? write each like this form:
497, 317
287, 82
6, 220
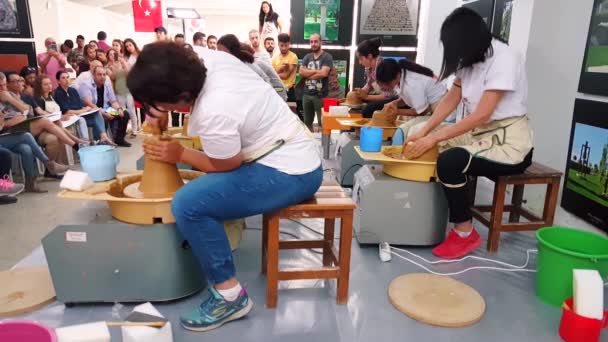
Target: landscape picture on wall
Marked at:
322, 16
588, 164
501, 25
388, 17
597, 54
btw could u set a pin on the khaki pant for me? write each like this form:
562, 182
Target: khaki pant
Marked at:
53, 148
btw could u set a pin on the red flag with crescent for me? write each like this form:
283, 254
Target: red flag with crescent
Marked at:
147, 15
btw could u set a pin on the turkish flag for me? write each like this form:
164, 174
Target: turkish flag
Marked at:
147, 15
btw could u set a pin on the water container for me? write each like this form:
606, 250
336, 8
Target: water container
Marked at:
99, 162
371, 139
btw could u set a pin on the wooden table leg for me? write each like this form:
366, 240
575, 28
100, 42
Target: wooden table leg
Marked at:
272, 264
346, 236
516, 201
264, 241
551, 201
328, 236
500, 188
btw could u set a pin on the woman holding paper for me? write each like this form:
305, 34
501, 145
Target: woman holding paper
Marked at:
43, 93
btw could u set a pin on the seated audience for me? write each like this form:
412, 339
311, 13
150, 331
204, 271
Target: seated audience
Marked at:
119, 47
43, 94
90, 55
101, 56
131, 51
94, 44
70, 103
118, 69
8, 189
29, 75
26, 147
52, 60
99, 94
19, 121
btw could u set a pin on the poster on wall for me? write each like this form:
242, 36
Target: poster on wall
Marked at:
338, 77
332, 19
395, 21
501, 24
594, 74
585, 192
485, 8
359, 75
322, 17
15, 19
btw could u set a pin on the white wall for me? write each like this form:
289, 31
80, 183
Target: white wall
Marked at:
432, 15
556, 46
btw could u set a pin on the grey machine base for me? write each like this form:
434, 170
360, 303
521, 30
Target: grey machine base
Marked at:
397, 211
121, 263
351, 162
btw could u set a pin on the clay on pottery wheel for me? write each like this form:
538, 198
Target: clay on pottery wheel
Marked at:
159, 179
382, 118
353, 99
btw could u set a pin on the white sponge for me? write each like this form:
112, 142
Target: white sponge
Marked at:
147, 334
338, 110
588, 294
92, 332
76, 181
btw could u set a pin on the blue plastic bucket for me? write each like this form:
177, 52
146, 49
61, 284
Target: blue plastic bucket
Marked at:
99, 162
371, 139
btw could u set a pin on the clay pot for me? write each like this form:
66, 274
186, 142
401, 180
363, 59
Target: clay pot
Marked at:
382, 118
353, 99
159, 179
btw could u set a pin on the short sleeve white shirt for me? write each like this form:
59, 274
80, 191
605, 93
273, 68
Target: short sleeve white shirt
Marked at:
237, 111
504, 70
420, 91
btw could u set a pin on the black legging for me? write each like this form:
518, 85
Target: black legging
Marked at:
5, 162
368, 111
453, 167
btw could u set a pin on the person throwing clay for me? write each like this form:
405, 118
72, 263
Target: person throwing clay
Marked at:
258, 158
493, 138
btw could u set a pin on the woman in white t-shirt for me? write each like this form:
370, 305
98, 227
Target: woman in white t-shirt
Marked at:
257, 155
493, 138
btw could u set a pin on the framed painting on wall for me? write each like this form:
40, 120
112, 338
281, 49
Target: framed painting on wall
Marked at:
501, 24
485, 8
394, 21
15, 19
332, 19
594, 74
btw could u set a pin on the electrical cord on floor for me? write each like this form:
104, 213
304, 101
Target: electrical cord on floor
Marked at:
347, 171
307, 227
513, 268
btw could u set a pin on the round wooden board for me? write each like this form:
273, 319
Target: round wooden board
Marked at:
436, 300
24, 290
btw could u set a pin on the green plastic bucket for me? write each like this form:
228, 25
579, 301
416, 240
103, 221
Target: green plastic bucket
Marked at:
561, 250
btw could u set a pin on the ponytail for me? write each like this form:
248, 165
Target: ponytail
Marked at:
389, 68
370, 47
236, 48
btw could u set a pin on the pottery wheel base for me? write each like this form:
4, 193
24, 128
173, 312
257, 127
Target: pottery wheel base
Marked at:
132, 191
436, 300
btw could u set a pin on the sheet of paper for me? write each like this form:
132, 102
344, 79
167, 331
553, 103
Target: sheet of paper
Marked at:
69, 122
89, 112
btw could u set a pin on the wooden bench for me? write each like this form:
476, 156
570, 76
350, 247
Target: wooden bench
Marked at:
535, 174
329, 203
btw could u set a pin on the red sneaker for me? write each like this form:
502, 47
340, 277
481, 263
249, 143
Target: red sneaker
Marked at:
455, 247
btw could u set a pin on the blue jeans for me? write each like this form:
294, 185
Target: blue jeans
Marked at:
26, 146
95, 121
201, 207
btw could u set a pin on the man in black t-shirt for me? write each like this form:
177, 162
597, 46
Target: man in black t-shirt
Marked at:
315, 70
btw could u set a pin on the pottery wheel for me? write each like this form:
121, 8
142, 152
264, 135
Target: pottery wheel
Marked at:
436, 300
132, 191
24, 290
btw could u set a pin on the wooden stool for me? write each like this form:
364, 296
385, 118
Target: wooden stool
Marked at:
535, 174
329, 203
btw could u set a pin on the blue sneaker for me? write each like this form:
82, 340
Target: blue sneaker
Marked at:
215, 311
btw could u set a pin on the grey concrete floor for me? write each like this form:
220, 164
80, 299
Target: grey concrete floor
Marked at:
24, 223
